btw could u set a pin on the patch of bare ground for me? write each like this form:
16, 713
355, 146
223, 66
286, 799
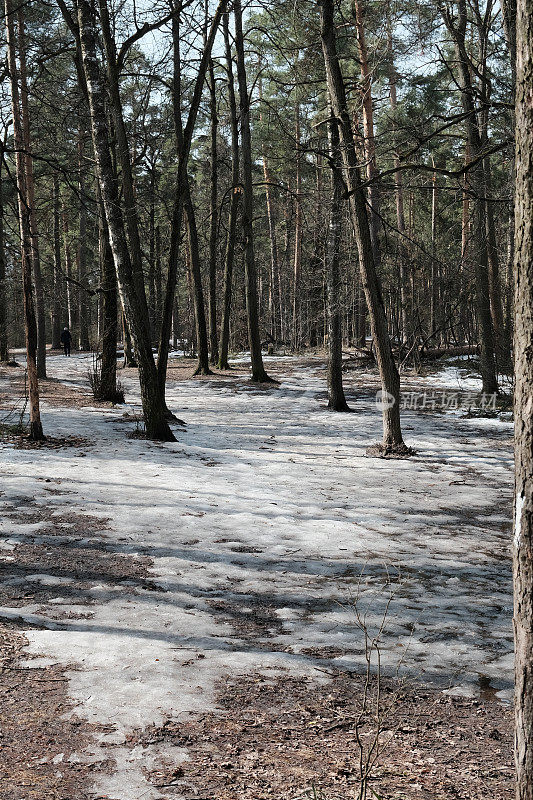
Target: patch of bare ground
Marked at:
40, 738
289, 739
64, 558
52, 391
42, 744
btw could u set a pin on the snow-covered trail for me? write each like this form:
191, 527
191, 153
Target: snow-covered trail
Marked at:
260, 521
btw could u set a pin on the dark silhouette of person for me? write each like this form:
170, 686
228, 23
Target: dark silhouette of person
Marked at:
66, 339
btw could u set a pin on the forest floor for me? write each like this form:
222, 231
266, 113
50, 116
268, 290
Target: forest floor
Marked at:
188, 620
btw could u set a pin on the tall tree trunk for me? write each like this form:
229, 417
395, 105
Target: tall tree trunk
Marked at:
336, 398
274, 265
495, 291
234, 204
183, 150
108, 371
390, 380
250, 272
523, 348
434, 277
298, 230
152, 304
198, 293
213, 223
457, 29
68, 272
81, 253
24, 209
130, 281
30, 197
523, 539
4, 348
400, 212
368, 129
58, 279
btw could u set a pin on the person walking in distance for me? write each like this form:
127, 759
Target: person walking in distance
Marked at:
66, 339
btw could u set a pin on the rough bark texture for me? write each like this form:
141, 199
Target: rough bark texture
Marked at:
24, 209
390, 380
523, 345
250, 271
234, 205
131, 284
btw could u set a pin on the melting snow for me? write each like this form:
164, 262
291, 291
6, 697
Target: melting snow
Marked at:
268, 504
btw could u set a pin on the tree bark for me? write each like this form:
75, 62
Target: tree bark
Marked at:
30, 197
390, 380
213, 224
130, 281
398, 181
198, 292
274, 262
336, 397
81, 253
24, 209
523, 401
4, 349
368, 130
108, 371
183, 148
298, 231
57, 279
457, 29
234, 203
250, 273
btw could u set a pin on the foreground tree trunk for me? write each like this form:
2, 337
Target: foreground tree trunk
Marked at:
24, 209
390, 380
130, 282
523, 347
336, 398
250, 271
